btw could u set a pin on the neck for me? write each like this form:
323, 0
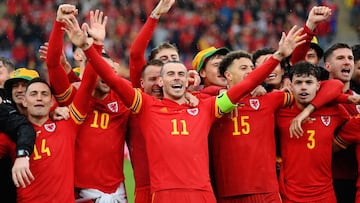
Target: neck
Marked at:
39, 121
98, 95
346, 86
180, 101
299, 105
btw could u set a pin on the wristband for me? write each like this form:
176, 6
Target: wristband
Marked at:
22, 153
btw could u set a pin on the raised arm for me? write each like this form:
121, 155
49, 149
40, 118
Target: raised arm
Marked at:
79, 38
63, 90
64, 62
137, 50
286, 46
316, 15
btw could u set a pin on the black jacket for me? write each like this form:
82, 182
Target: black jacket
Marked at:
16, 125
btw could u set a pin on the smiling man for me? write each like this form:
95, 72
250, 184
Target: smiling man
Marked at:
16, 85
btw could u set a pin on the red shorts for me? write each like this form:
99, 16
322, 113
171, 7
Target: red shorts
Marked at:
330, 199
183, 195
254, 198
143, 195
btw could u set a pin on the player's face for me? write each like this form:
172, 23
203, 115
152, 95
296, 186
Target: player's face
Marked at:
174, 81
340, 64
166, 55
101, 87
275, 77
261, 59
150, 81
211, 74
18, 91
4, 74
312, 57
304, 89
238, 70
356, 73
38, 100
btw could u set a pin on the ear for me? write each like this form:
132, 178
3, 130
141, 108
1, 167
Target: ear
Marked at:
24, 103
228, 75
202, 73
327, 66
161, 82
317, 85
142, 82
291, 86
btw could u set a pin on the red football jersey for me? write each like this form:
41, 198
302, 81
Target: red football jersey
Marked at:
99, 157
349, 134
52, 164
176, 143
243, 142
305, 173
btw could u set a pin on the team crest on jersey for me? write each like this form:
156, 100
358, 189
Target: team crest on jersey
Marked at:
50, 127
357, 108
326, 120
193, 111
254, 103
113, 106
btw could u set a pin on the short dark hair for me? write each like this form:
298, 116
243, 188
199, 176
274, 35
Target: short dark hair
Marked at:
334, 47
356, 52
154, 62
261, 52
40, 80
164, 45
230, 57
304, 68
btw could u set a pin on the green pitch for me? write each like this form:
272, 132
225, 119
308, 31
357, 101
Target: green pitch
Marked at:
129, 181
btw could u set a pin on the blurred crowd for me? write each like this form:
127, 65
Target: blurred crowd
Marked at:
190, 25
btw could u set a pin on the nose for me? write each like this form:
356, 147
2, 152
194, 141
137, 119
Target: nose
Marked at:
39, 97
177, 76
348, 61
303, 86
157, 81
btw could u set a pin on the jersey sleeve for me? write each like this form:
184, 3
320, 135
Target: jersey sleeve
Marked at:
300, 51
285, 97
329, 91
63, 90
255, 78
137, 51
73, 77
80, 105
349, 133
17, 127
122, 87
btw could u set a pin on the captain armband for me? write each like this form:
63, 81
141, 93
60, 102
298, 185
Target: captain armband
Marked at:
224, 103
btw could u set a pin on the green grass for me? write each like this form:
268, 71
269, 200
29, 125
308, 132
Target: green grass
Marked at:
129, 181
